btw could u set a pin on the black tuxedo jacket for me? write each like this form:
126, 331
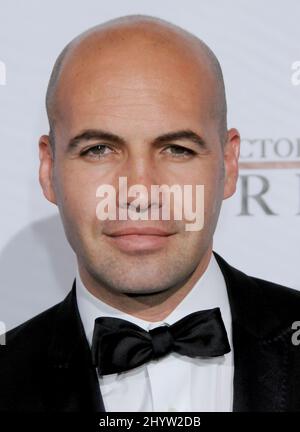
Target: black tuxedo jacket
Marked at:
46, 362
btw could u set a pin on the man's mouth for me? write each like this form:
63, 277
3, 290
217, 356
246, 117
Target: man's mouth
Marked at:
139, 239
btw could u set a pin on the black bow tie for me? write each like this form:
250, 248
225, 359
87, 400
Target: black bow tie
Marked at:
118, 345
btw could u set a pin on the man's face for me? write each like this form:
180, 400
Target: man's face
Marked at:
138, 99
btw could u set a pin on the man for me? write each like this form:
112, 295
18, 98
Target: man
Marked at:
155, 321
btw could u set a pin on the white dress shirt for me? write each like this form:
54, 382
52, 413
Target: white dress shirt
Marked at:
174, 382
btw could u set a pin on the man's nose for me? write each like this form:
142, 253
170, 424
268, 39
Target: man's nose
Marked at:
140, 173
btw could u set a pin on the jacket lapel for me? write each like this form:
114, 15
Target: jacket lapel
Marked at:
72, 383
261, 341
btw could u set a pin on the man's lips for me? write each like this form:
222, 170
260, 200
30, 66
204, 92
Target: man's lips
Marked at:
140, 239
140, 231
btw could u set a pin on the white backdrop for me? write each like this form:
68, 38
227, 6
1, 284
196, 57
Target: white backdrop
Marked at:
257, 44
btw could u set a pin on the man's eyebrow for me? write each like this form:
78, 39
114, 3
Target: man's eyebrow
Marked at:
92, 134
185, 134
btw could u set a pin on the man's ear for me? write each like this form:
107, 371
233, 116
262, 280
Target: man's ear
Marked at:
46, 156
231, 164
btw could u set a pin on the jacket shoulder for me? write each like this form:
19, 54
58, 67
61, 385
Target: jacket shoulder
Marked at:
23, 361
265, 307
32, 328
270, 289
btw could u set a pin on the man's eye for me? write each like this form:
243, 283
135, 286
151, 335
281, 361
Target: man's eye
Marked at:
177, 151
97, 151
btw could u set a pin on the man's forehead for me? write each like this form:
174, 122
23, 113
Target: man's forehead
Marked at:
115, 96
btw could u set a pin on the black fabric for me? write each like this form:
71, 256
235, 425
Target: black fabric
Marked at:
46, 365
119, 345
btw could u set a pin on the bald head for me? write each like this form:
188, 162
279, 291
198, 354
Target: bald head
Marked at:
153, 37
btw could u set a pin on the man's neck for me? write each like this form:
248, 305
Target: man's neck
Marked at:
149, 307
